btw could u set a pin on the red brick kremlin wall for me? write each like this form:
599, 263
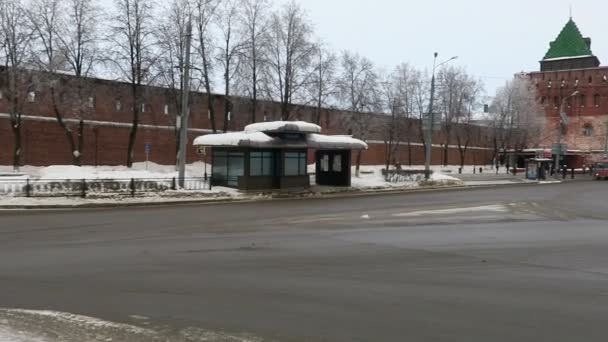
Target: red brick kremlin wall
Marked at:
107, 130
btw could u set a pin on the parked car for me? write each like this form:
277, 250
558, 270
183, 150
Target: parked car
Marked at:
600, 170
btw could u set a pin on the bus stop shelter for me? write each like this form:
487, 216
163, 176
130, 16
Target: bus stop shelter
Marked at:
274, 155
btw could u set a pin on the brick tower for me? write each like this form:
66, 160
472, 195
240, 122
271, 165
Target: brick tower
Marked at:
569, 67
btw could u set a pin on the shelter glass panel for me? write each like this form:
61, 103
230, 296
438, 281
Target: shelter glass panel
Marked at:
295, 164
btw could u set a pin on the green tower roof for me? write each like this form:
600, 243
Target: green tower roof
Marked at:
569, 43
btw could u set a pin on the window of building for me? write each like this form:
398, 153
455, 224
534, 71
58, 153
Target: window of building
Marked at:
166, 109
563, 83
590, 79
582, 100
542, 101
143, 107
91, 102
588, 130
596, 100
261, 163
31, 96
118, 106
228, 167
556, 101
549, 84
569, 102
337, 165
576, 83
295, 164
325, 163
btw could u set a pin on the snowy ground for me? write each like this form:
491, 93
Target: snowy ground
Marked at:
139, 170
18, 325
370, 178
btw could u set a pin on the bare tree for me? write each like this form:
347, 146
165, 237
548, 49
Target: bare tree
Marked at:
322, 84
517, 110
67, 41
254, 29
421, 85
205, 13
393, 125
358, 86
449, 102
229, 51
465, 128
171, 38
289, 55
407, 80
134, 54
17, 83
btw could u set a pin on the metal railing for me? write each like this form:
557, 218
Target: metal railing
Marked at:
30, 187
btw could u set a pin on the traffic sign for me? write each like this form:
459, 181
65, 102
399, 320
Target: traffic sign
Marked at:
201, 150
436, 125
148, 147
559, 148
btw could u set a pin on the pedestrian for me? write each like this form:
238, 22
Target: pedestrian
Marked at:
497, 167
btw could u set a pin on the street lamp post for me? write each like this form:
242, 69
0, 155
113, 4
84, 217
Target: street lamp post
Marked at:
431, 120
563, 121
183, 129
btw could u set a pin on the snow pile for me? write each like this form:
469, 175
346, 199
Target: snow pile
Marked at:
90, 172
154, 171
283, 126
13, 335
442, 180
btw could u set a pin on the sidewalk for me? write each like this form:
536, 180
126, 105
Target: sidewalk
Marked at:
12, 203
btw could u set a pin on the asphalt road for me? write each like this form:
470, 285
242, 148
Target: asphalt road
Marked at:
517, 263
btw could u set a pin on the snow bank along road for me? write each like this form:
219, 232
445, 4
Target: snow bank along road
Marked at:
510, 264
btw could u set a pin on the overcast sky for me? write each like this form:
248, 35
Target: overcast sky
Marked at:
493, 39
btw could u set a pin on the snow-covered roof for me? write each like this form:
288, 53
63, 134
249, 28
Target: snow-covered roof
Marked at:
261, 140
319, 141
234, 139
283, 126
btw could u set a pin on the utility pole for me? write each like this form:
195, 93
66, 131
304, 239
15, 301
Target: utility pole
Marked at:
430, 121
429, 124
183, 128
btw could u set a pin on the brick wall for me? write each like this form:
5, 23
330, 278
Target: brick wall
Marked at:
107, 128
589, 109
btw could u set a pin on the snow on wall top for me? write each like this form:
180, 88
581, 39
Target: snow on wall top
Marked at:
283, 126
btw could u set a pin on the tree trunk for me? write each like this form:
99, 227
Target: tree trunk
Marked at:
211, 109
358, 163
78, 157
133, 132
409, 151
66, 129
16, 127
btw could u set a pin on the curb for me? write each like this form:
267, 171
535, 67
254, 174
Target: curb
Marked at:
293, 196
